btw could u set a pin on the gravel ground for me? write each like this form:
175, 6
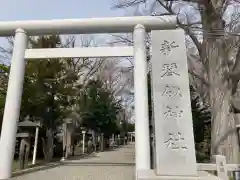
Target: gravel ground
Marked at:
117, 164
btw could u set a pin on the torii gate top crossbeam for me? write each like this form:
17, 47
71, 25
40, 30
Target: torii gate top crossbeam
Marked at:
88, 25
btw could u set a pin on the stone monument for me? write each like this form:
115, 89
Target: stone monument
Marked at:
175, 150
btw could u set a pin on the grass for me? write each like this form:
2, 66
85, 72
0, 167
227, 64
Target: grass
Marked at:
39, 162
16, 164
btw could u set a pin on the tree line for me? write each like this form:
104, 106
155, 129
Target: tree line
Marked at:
56, 90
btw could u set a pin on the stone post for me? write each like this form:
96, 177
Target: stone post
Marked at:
221, 167
83, 144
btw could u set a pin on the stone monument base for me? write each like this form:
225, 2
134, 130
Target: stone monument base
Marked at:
151, 175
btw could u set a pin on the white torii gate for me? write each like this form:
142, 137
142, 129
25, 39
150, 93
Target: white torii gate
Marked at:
22, 29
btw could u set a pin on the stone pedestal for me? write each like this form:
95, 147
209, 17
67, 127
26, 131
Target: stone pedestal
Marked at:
24, 151
151, 175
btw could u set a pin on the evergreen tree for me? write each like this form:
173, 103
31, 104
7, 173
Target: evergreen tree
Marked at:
201, 126
98, 108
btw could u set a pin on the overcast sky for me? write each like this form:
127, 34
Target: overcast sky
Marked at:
13, 10
55, 9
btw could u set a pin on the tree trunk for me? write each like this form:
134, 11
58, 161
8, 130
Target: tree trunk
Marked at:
48, 145
224, 138
44, 146
215, 56
64, 140
102, 142
94, 141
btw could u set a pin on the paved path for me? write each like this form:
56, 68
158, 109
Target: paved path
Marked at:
117, 164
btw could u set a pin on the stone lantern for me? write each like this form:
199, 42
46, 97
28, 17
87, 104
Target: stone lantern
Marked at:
25, 133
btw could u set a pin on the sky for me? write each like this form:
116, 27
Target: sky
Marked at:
56, 9
15, 10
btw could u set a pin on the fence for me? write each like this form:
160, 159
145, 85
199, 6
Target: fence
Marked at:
220, 167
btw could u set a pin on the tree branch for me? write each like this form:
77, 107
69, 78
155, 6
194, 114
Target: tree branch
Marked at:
129, 4
186, 28
198, 77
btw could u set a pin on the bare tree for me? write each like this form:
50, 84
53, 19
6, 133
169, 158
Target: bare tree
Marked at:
213, 51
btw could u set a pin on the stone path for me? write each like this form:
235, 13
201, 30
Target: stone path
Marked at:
117, 164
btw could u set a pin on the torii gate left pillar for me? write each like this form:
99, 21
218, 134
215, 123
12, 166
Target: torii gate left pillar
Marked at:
13, 104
